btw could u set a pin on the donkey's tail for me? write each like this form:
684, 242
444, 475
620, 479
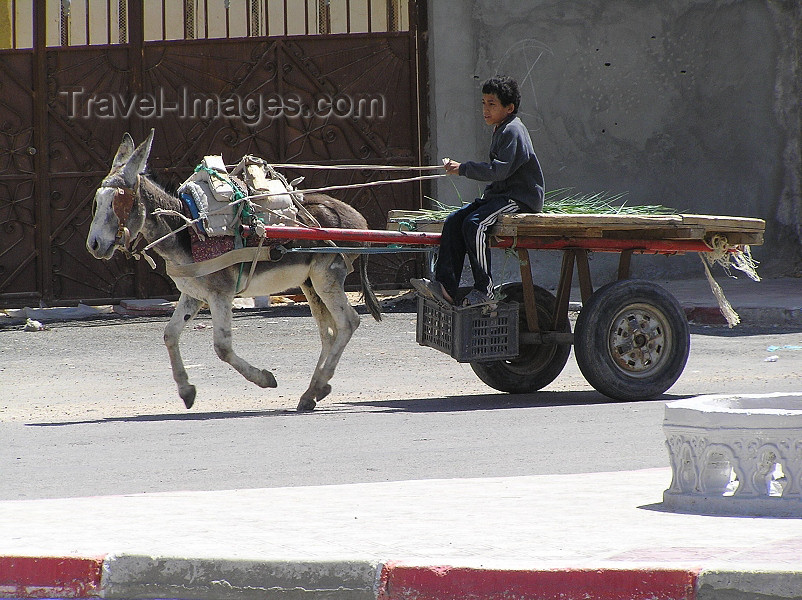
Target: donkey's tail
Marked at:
371, 302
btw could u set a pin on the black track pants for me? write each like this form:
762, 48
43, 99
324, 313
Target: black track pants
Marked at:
465, 232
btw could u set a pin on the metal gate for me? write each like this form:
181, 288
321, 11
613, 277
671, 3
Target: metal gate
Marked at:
306, 81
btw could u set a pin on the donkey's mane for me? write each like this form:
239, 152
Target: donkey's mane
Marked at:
157, 196
154, 196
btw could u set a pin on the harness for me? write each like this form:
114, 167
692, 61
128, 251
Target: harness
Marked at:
123, 204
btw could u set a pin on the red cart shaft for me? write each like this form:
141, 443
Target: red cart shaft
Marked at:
379, 236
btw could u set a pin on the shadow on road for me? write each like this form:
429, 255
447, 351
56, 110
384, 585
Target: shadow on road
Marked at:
445, 404
492, 402
188, 416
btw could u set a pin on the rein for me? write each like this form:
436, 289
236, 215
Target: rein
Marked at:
124, 199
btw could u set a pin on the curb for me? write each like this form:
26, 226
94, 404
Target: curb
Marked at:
126, 576
145, 308
760, 317
706, 315
134, 576
696, 315
50, 577
446, 583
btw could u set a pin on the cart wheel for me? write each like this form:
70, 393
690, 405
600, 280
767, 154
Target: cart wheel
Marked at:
536, 365
631, 340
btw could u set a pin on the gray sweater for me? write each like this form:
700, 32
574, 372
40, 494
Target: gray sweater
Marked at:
513, 171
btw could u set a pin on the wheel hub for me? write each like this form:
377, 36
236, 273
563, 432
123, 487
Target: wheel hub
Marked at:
637, 340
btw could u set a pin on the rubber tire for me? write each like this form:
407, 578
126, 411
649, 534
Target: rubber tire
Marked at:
536, 365
603, 325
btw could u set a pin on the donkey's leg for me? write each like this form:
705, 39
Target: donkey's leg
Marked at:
185, 310
220, 307
328, 278
326, 328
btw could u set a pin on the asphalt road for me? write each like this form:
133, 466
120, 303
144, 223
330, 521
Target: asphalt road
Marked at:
90, 408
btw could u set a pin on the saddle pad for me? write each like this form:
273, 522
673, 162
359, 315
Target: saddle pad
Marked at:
212, 247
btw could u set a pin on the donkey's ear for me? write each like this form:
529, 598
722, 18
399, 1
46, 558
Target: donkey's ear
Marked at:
124, 151
138, 160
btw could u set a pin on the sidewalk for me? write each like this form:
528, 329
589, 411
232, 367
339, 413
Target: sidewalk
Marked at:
565, 536
767, 303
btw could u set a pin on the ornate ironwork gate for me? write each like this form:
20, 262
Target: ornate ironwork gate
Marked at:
64, 105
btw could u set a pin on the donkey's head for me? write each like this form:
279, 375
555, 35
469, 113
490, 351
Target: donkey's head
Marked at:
118, 216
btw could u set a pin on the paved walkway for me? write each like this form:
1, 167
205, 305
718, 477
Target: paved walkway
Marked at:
770, 302
598, 536
603, 534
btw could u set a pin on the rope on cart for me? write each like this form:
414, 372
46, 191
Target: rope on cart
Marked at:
736, 257
331, 188
731, 257
354, 167
190, 222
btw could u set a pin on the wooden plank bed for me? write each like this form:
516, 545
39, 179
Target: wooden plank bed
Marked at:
703, 228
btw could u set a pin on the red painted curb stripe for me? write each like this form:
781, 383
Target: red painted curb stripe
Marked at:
705, 315
400, 582
48, 577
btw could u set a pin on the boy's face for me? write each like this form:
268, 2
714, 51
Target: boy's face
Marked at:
493, 110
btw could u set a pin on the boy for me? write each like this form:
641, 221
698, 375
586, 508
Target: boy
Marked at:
516, 184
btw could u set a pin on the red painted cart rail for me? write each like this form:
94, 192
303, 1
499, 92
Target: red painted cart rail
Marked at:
418, 238
661, 234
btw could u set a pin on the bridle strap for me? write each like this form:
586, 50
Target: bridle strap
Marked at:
123, 204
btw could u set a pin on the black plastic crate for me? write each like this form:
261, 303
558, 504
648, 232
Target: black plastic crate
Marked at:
469, 333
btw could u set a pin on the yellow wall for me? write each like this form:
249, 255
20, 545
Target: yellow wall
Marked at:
5, 24
164, 19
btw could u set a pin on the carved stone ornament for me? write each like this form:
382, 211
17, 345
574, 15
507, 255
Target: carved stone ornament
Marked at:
735, 454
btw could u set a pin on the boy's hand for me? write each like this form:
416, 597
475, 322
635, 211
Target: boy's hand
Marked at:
451, 166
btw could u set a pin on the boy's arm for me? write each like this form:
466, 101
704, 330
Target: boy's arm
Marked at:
499, 168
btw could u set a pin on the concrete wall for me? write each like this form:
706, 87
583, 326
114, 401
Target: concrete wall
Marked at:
689, 104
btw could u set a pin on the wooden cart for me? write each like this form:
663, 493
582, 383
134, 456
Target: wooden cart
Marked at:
631, 339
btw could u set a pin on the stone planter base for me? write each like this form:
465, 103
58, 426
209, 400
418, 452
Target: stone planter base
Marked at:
735, 454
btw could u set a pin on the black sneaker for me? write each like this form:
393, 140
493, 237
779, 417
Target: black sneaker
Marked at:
477, 298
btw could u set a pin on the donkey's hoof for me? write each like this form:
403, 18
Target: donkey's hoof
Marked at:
188, 395
306, 405
267, 380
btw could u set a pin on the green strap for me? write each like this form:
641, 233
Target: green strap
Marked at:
243, 210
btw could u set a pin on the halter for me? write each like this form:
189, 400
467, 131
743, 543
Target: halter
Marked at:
123, 204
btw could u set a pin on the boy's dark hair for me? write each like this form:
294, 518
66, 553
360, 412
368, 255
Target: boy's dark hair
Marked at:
505, 89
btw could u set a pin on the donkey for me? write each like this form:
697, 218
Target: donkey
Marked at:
126, 208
